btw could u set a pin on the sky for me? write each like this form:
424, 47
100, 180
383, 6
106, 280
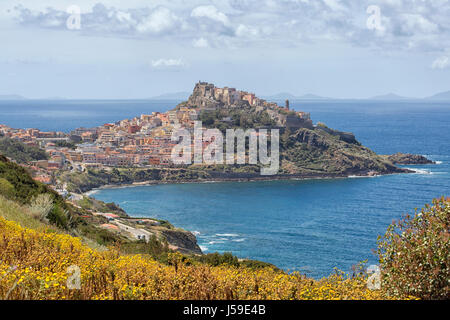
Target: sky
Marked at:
134, 49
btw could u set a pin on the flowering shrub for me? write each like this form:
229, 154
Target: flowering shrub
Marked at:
33, 265
415, 254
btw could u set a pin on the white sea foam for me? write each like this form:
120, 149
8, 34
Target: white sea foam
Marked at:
196, 233
357, 177
203, 248
420, 171
215, 242
438, 162
238, 240
227, 235
90, 193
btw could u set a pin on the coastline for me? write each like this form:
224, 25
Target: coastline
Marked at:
253, 179
218, 177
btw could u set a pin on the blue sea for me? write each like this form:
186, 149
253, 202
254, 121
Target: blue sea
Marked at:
307, 226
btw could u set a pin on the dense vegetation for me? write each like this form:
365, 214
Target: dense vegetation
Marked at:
17, 184
34, 265
20, 152
415, 253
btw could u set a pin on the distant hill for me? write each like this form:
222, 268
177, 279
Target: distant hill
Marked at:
440, 96
311, 97
12, 97
286, 95
280, 96
172, 96
389, 97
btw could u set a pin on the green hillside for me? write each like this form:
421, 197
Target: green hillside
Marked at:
20, 152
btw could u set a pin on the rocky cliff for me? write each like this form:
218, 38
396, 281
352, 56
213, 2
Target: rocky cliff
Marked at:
328, 151
181, 241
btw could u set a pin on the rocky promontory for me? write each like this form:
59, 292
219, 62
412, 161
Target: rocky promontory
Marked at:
181, 241
408, 159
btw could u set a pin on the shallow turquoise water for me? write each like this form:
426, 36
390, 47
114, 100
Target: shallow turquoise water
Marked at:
310, 226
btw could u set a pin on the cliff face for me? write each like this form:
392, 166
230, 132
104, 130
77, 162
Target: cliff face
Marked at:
326, 151
181, 241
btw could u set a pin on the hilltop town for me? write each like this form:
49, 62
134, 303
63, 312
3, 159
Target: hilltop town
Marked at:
145, 140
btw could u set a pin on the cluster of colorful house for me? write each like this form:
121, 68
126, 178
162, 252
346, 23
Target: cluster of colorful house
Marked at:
144, 140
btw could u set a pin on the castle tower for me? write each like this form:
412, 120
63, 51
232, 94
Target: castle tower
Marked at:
287, 104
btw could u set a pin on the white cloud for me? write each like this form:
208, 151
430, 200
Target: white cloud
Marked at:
168, 64
441, 63
334, 4
407, 25
414, 23
210, 12
124, 16
160, 20
246, 31
107, 20
200, 43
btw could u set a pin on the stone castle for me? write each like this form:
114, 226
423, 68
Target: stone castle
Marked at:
208, 97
